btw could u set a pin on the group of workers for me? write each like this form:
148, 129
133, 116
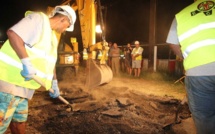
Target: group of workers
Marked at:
132, 57
31, 49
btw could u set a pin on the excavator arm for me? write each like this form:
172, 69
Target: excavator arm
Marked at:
98, 72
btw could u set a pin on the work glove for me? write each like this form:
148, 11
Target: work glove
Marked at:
28, 70
55, 89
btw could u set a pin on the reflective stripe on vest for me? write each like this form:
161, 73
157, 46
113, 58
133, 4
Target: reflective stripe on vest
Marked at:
43, 56
196, 34
85, 55
5, 58
197, 45
196, 30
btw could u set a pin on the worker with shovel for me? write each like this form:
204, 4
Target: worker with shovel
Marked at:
31, 50
192, 34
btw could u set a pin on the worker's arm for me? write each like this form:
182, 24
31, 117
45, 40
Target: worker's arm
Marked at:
27, 32
134, 56
17, 44
177, 50
137, 54
172, 39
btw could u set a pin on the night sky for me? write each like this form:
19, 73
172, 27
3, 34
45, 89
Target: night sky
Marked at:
13, 10
126, 20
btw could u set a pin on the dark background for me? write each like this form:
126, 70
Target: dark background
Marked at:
125, 20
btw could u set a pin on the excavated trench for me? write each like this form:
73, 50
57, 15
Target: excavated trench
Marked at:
108, 109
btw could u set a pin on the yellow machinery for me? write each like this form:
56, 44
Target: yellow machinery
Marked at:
98, 72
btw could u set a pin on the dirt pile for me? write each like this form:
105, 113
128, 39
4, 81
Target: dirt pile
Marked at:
107, 109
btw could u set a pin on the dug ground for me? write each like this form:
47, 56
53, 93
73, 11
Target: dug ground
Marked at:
126, 105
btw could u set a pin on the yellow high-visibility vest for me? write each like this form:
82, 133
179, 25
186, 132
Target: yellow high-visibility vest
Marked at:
195, 27
136, 51
43, 56
85, 55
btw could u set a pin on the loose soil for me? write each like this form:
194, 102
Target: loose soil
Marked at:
126, 105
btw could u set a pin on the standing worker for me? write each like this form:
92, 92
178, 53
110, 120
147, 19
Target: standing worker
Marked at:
192, 34
115, 54
137, 58
31, 49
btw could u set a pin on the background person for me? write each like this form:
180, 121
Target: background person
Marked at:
192, 35
115, 54
31, 49
128, 58
137, 58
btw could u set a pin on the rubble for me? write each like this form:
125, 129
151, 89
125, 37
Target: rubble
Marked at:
110, 108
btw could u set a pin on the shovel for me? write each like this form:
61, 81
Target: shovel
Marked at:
52, 91
168, 127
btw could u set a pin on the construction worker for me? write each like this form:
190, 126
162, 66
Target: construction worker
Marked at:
31, 49
115, 55
136, 55
192, 37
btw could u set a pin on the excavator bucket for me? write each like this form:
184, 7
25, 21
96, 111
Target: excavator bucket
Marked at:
97, 74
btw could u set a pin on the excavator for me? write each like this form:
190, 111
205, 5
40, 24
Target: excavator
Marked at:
98, 72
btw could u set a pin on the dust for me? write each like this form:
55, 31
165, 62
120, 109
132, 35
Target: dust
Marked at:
126, 105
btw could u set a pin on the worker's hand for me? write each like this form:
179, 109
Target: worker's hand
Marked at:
28, 70
55, 89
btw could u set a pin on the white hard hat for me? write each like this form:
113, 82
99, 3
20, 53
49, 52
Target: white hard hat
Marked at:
69, 12
136, 42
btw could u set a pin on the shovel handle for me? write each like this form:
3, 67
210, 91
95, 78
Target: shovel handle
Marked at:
50, 90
